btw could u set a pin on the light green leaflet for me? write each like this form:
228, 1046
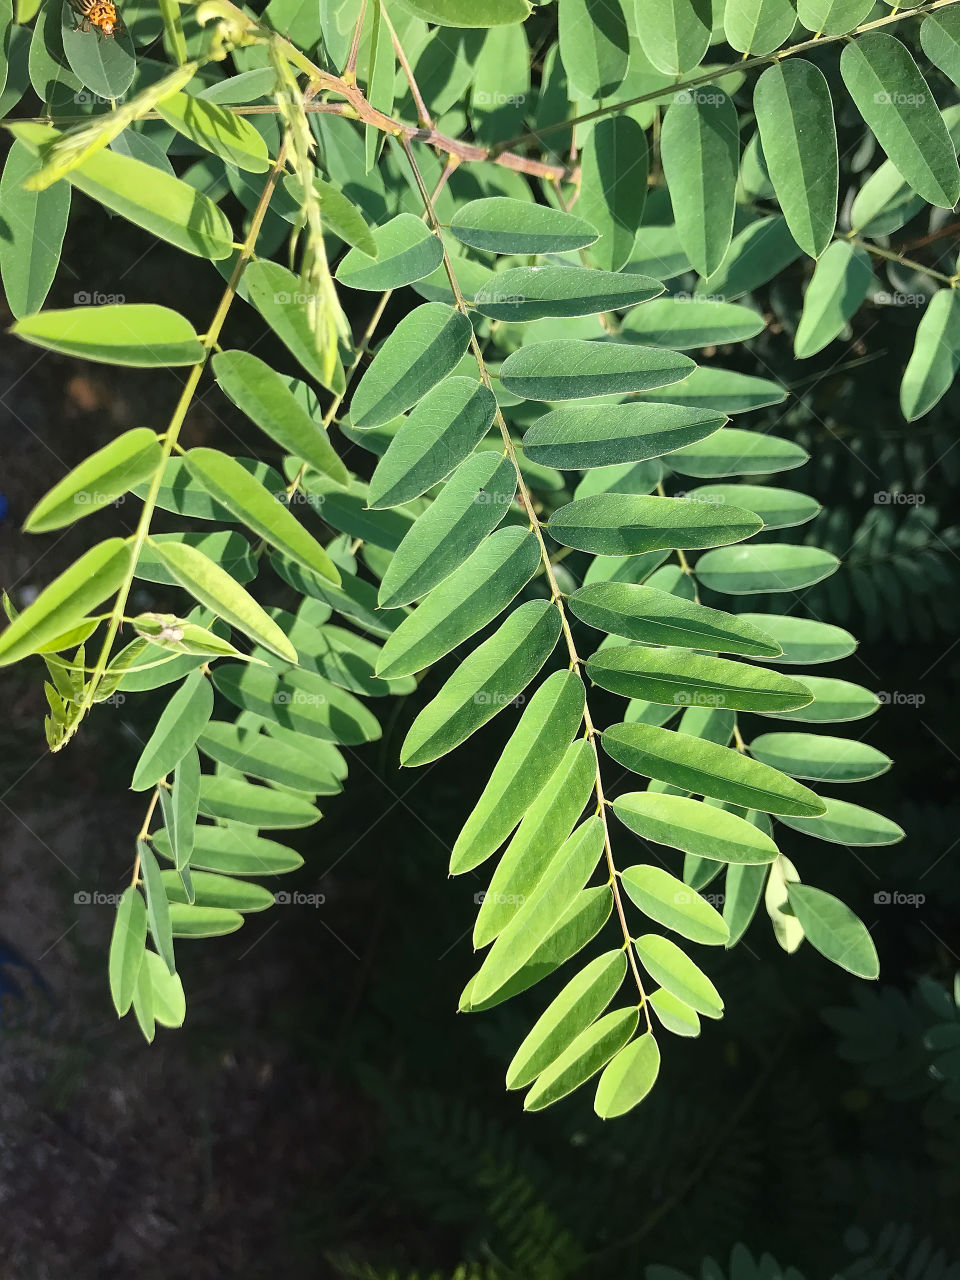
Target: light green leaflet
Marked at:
694, 827
804, 640
849, 824
545, 826
490, 679
575, 438
500, 224
742, 889
443, 429
795, 118
33, 235
674, 1015
213, 890
594, 46
764, 567
212, 586
614, 167
676, 972
67, 600
674, 34
129, 459
472, 503
628, 1078
473, 595
841, 281
758, 26
679, 678
534, 293
528, 761
723, 390
820, 758
188, 921
232, 800
406, 250
684, 324
540, 913
298, 700
178, 728
834, 701
278, 295
652, 616
707, 769
759, 252
623, 524
700, 151
733, 452
831, 927
591, 1050
139, 334
777, 508
574, 369
468, 13
126, 949
425, 346
180, 807
833, 17
673, 904
231, 137
894, 99
935, 358
267, 400
234, 851
262, 757
940, 38
582, 1000
242, 494
158, 909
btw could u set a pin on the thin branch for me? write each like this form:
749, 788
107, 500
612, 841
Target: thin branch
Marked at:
350, 70
423, 115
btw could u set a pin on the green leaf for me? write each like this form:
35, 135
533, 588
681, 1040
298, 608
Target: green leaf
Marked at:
536, 293
425, 346
628, 1078
684, 323
168, 1004
546, 824
758, 26
733, 452
243, 495
97, 481
764, 567
339, 215
652, 616
674, 34
230, 137
98, 573
834, 702
488, 680
126, 949
341, 656
202, 922
831, 927
230, 550
163, 206
265, 397
758, 253
594, 46
527, 763
700, 152
178, 728
219, 891
405, 250
180, 807
139, 334
591, 1050
935, 357
578, 437
298, 700
232, 800
259, 756
567, 873
214, 588
473, 595
820, 758
723, 390
743, 888
894, 99
696, 828
680, 678
833, 17
580, 1002
804, 640
707, 769
795, 118
940, 38
676, 972
278, 295
104, 64
777, 508
841, 280
500, 224
613, 187
472, 503
574, 369
31, 233
848, 824
612, 524
468, 13
674, 1014
673, 904
234, 851
444, 428
158, 909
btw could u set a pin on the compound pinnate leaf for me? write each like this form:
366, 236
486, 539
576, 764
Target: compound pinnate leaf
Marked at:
694, 827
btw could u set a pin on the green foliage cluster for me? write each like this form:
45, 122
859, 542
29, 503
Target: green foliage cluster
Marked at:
547, 484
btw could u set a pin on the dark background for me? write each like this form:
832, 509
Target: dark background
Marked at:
325, 1111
